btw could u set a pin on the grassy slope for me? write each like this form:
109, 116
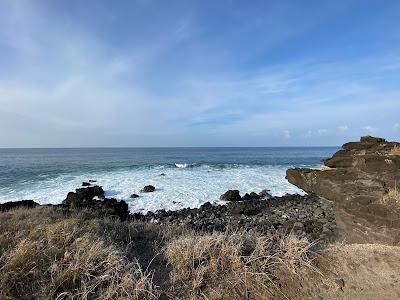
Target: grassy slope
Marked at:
45, 254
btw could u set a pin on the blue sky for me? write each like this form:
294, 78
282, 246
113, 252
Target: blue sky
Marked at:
198, 73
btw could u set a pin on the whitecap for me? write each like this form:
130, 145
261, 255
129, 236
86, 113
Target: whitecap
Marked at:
181, 166
191, 188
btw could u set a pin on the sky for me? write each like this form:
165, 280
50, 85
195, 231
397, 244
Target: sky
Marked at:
147, 73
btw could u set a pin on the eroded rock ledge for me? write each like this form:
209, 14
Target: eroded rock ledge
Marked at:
357, 178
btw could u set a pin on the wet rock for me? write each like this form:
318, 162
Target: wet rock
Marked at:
92, 198
18, 204
83, 195
163, 174
246, 197
85, 183
148, 189
92, 181
133, 196
265, 194
206, 206
251, 196
231, 195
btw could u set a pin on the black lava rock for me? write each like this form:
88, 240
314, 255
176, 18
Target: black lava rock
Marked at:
148, 189
231, 195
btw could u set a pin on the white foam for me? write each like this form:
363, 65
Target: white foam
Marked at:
181, 187
181, 166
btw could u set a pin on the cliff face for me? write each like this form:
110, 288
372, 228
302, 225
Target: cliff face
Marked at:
356, 179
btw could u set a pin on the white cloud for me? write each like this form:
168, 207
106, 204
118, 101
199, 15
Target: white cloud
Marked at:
286, 134
369, 129
73, 82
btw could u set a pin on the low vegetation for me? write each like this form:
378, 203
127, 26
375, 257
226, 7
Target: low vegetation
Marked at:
395, 150
48, 254
392, 198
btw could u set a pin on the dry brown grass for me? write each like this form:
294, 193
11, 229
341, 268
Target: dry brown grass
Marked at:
64, 259
395, 150
46, 254
242, 265
392, 197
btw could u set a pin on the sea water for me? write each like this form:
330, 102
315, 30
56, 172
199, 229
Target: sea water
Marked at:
193, 176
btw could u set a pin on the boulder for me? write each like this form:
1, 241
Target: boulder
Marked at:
133, 196
83, 195
231, 195
148, 189
251, 196
265, 194
206, 206
92, 181
246, 197
85, 183
163, 174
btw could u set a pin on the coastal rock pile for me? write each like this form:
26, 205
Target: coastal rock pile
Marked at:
306, 215
357, 178
92, 198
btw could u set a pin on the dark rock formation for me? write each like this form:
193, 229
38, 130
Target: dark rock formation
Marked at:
133, 196
92, 181
231, 195
265, 194
163, 174
85, 183
18, 204
85, 198
356, 178
305, 215
148, 189
83, 195
251, 196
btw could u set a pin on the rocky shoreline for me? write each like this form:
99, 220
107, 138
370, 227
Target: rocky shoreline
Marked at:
344, 201
305, 215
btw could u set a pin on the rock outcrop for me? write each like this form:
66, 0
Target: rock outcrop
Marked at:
148, 189
357, 178
92, 198
231, 195
18, 204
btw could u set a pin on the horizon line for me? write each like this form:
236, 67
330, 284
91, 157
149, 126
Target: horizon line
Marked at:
160, 147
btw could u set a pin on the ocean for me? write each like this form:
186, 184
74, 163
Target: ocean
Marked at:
193, 176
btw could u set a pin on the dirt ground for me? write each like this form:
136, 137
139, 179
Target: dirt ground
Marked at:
357, 271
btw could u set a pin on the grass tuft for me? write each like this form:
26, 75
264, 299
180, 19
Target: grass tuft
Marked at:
395, 150
392, 197
242, 265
